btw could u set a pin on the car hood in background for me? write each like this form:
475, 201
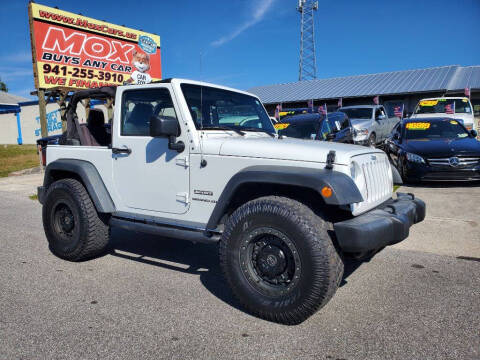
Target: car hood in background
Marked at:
361, 123
443, 147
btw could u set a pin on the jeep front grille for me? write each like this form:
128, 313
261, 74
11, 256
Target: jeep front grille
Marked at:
462, 161
377, 181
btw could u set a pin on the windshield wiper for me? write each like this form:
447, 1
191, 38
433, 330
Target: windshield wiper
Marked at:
258, 129
223, 127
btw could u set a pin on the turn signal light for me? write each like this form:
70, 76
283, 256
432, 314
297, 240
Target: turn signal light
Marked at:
327, 191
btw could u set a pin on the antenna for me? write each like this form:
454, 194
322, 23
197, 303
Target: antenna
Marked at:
203, 162
308, 62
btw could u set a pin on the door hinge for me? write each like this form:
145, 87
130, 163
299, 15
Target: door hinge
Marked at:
182, 162
183, 197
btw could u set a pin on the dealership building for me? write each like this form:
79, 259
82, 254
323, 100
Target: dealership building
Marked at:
393, 89
20, 119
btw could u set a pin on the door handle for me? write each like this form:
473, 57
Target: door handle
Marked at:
124, 150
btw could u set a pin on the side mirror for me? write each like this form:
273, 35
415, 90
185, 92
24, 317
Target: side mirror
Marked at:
167, 126
163, 126
396, 136
381, 117
474, 133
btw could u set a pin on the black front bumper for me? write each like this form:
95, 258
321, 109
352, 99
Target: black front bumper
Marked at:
385, 225
424, 172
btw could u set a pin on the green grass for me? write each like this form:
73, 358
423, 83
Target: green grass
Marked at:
17, 157
395, 187
33, 197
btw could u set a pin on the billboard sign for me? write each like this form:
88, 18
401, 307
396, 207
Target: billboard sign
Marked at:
77, 52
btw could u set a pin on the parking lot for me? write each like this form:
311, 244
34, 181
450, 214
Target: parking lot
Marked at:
159, 298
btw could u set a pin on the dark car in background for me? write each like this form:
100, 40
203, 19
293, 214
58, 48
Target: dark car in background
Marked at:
431, 149
314, 126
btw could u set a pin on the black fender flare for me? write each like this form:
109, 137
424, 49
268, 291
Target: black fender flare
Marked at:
344, 189
90, 177
397, 179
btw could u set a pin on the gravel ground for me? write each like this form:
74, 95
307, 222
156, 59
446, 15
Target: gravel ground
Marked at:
163, 299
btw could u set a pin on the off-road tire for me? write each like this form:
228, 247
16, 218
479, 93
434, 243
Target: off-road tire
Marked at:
321, 266
90, 232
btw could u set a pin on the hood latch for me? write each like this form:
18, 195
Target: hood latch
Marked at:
330, 160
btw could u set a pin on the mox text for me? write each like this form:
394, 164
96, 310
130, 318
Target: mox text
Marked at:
91, 46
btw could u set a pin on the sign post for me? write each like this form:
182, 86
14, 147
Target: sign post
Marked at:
42, 105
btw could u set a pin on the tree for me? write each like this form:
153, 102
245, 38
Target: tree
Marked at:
3, 86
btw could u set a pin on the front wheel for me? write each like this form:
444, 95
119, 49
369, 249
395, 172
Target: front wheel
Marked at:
279, 260
74, 229
372, 141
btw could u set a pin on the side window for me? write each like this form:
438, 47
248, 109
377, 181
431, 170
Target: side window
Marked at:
138, 106
396, 129
344, 123
325, 129
378, 112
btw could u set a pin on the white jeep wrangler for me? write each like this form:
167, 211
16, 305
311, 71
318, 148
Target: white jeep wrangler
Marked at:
201, 162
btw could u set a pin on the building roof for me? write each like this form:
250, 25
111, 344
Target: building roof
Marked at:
10, 99
445, 78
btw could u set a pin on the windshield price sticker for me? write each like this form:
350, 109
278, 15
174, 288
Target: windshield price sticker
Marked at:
465, 100
281, 126
428, 102
453, 122
418, 126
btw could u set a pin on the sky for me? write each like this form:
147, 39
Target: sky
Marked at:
246, 43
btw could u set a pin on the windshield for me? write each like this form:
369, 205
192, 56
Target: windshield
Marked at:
444, 106
443, 129
213, 108
358, 113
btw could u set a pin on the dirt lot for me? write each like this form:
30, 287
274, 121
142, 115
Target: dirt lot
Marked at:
158, 298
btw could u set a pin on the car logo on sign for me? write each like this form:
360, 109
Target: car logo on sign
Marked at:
373, 157
454, 161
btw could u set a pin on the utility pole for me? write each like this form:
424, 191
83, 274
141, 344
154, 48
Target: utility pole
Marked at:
308, 62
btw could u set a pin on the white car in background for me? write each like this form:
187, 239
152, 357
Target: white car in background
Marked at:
459, 108
371, 123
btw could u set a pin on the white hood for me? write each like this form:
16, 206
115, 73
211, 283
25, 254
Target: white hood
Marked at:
281, 149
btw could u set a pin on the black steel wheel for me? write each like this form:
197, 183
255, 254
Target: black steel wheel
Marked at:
279, 259
63, 221
270, 261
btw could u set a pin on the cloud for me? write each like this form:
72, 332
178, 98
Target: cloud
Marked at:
18, 57
13, 73
258, 15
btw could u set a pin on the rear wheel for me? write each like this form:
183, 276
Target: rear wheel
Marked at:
74, 229
279, 260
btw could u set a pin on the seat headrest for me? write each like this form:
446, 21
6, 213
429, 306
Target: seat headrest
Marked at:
96, 118
141, 113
